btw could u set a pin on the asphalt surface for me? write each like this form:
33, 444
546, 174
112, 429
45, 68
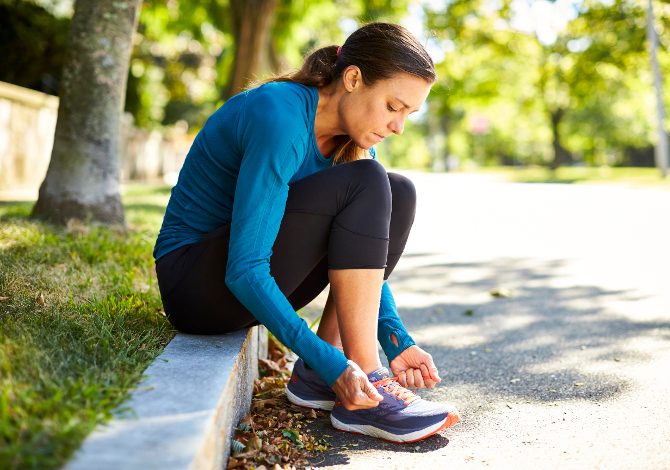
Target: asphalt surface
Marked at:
572, 369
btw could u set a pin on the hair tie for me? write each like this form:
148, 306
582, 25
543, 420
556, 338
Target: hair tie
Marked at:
339, 51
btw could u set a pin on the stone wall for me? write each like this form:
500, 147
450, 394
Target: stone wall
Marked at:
27, 125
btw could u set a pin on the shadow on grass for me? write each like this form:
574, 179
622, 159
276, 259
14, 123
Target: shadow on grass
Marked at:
145, 207
15, 210
540, 346
22, 209
148, 189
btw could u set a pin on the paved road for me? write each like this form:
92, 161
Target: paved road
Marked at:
572, 370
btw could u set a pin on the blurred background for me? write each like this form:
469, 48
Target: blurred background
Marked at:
522, 84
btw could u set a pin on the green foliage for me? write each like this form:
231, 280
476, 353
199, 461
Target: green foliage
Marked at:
173, 70
593, 82
407, 151
32, 45
80, 319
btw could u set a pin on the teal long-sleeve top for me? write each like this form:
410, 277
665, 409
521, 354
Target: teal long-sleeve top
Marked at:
238, 171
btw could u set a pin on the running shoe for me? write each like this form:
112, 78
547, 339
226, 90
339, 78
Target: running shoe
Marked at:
402, 416
307, 388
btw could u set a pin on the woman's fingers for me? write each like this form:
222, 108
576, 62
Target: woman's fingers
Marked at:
428, 378
370, 391
418, 379
354, 389
432, 370
363, 395
402, 378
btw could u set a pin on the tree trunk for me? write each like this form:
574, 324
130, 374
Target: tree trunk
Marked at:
662, 146
83, 177
561, 155
251, 24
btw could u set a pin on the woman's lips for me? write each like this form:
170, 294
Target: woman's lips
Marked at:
378, 137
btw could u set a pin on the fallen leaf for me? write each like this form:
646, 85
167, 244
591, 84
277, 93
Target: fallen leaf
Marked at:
263, 403
255, 443
274, 423
247, 421
40, 300
269, 364
235, 463
237, 447
293, 435
76, 227
501, 292
3, 299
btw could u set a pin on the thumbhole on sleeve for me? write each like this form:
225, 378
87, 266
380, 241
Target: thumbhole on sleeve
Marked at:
394, 339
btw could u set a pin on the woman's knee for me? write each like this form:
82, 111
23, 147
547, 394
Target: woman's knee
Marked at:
367, 196
404, 194
370, 173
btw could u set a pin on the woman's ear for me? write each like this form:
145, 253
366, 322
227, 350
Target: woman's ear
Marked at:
352, 77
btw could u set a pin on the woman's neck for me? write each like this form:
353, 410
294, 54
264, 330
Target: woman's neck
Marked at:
327, 129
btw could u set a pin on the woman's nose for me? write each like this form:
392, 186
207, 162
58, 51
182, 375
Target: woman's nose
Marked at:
397, 126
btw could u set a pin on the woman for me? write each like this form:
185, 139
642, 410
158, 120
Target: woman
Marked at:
278, 197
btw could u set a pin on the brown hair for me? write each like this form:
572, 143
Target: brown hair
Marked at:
380, 50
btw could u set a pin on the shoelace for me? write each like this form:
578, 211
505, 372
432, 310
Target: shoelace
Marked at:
393, 388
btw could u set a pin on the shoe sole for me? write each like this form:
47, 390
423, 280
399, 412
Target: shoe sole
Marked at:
316, 404
368, 430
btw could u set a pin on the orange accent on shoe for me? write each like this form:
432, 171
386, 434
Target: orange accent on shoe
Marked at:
452, 418
393, 388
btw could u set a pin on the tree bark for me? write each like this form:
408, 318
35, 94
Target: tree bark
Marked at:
561, 155
662, 153
251, 24
82, 181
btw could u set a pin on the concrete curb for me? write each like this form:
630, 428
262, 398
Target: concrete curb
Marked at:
183, 414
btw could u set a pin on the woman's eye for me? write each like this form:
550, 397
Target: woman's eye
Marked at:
391, 108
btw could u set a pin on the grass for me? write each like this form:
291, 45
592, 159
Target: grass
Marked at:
649, 177
80, 319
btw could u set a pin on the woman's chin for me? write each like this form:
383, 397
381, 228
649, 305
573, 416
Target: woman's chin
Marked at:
365, 144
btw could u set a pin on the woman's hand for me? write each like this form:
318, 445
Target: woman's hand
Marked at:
354, 389
415, 368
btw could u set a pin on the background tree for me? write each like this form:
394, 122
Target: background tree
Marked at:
251, 24
83, 176
32, 46
503, 96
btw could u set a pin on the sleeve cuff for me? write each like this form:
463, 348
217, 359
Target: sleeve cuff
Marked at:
389, 347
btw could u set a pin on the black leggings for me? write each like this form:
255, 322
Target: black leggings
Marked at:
350, 216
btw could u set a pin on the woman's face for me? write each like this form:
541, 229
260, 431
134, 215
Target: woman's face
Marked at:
368, 114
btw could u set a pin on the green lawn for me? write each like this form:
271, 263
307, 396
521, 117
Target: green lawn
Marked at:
80, 319
629, 176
